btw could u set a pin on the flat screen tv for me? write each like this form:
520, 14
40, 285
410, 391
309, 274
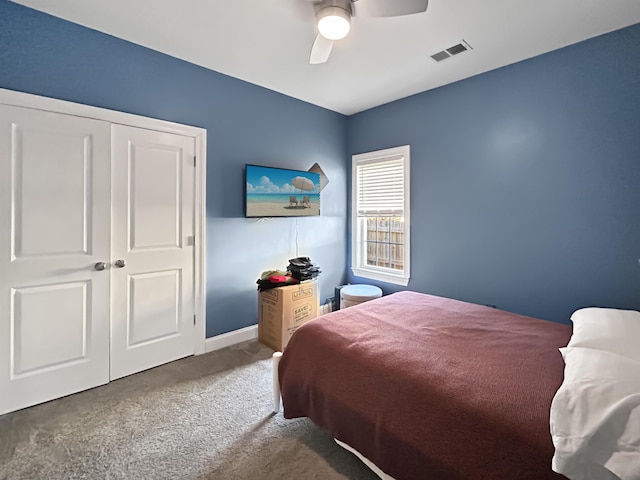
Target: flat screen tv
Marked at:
280, 192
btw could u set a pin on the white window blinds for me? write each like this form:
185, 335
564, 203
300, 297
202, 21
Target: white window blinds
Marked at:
380, 187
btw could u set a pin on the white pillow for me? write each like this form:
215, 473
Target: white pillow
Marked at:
616, 331
595, 416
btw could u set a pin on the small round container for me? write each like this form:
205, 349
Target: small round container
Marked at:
351, 295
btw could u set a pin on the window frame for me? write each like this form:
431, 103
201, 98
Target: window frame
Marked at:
358, 263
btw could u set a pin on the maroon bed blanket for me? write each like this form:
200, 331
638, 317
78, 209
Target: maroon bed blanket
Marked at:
430, 388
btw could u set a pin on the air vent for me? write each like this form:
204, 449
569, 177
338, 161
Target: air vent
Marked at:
456, 49
438, 57
451, 51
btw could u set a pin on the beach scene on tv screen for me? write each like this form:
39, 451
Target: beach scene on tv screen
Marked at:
274, 192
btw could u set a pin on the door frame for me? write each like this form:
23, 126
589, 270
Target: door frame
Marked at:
27, 100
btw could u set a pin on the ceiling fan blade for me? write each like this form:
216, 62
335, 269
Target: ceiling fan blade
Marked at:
321, 50
387, 8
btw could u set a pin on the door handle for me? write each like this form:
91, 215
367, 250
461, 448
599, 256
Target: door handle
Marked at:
120, 263
100, 266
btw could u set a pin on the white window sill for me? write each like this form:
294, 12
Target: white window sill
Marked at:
380, 276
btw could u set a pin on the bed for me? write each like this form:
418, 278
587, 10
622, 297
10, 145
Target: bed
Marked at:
425, 387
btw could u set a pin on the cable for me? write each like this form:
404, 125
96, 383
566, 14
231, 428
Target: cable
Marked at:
297, 238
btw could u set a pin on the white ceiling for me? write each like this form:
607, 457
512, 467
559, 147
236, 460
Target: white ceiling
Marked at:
267, 42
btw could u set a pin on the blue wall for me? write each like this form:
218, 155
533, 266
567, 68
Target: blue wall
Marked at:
245, 123
525, 181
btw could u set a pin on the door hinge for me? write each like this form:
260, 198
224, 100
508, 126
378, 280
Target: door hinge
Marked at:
194, 320
194, 160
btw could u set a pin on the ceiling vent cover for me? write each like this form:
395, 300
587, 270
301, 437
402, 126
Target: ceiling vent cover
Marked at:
451, 51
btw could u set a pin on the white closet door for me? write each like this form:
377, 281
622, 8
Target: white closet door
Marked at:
54, 229
153, 254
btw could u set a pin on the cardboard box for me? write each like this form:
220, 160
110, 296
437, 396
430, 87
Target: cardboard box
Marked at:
282, 310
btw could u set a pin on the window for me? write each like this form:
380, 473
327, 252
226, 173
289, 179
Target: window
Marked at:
380, 215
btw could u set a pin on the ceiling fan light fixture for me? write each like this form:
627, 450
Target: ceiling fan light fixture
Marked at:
333, 23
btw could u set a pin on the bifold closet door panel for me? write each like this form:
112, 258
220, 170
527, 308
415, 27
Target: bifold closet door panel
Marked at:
153, 249
55, 210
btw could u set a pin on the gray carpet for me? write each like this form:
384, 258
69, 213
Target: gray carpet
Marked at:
204, 417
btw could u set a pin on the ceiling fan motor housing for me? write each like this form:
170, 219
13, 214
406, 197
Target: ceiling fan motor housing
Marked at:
324, 4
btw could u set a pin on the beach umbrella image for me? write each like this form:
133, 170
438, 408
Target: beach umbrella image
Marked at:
303, 183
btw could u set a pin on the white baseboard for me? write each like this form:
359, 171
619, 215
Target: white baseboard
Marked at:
231, 338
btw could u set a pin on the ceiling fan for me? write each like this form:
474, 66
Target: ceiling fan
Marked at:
333, 19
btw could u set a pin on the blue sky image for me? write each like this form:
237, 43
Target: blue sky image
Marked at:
276, 180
